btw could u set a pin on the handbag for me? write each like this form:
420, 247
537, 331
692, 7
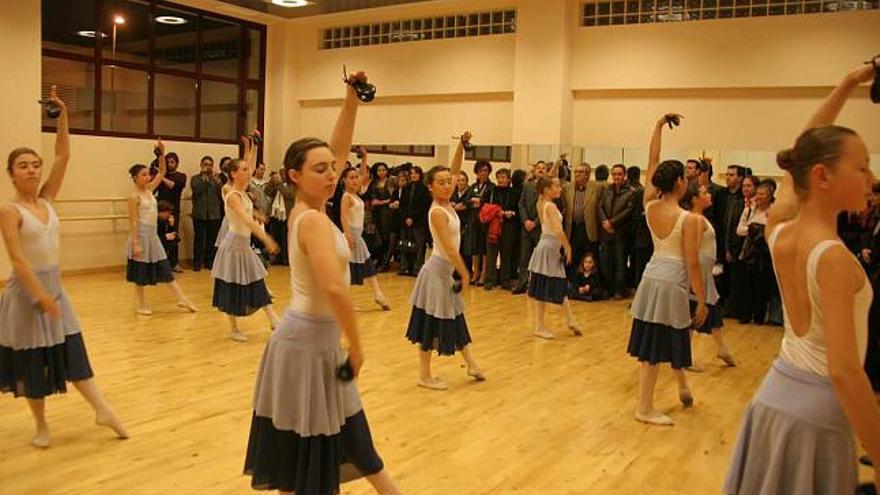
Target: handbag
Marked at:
407, 243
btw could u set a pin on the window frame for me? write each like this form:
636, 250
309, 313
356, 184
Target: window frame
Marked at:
242, 82
382, 149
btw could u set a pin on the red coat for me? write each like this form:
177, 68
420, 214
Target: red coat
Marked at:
489, 214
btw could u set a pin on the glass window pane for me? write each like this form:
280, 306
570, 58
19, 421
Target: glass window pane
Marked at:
76, 86
176, 34
251, 109
174, 106
219, 110
221, 43
132, 35
123, 100
254, 53
69, 26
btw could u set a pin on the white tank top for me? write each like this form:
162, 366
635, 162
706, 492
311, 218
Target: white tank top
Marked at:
809, 352
454, 231
671, 246
236, 226
39, 241
307, 296
356, 215
708, 247
148, 210
544, 220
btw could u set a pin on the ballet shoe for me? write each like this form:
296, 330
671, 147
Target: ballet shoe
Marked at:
237, 336
655, 418
575, 329
433, 384
476, 374
687, 400
545, 334
110, 420
382, 304
695, 368
187, 305
144, 311
41, 441
728, 359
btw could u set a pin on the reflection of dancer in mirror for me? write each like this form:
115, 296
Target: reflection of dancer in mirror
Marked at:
660, 310
697, 199
437, 320
41, 344
239, 275
361, 266
308, 431
147, 262
797, 432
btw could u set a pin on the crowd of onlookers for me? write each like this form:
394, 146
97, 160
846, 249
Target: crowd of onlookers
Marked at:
603, 216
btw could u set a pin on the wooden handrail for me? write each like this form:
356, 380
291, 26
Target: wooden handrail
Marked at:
103, 200
87, 218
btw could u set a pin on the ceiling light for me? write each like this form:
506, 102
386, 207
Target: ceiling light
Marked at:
89, 34
118, 19
171, 20
290, 3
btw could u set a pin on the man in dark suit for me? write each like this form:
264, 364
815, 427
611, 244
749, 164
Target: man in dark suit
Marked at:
531, 226
615, 211
207, 213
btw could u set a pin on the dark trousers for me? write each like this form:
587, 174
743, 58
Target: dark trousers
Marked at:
640, 258
614, 266
737, 301
756, 297
504, 247
204, 237
278, 231
411, 262
872, 359
172, 252
527, 243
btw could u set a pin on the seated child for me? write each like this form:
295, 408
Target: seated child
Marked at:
586, 285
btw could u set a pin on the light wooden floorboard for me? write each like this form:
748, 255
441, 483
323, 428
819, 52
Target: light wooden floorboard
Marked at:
553, 418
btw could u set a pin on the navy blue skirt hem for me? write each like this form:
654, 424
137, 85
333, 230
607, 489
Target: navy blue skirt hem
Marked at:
37, 373
143, 274
361, 271
315, 465
714, 320
656, 343
547, 289
437, 334
240, 300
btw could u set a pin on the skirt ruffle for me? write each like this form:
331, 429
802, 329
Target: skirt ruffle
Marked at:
662, 296
444, 335
24, 325
39, 372
547, 289
309, 465
433, 292
236, 262
547, 257
655, 343
152, 249
141, 273
240, 300
361, 271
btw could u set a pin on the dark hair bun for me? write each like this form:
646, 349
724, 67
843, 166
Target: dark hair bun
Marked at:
785, 159
667, 174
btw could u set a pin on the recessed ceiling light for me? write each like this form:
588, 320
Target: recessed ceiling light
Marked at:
290, 3
118, 19
171, 19
89, 34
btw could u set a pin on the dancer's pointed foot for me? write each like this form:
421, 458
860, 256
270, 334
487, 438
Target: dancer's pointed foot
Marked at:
476, 374
41, 440
187, 305
655, 418
433, 384
110, 420
544, 334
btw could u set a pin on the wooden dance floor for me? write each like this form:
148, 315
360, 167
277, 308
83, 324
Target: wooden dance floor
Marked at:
554, 417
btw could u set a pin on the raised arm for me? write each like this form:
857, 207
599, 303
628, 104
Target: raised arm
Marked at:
458, 157
250, 152
235, 204
654, 156
830, 108
440, 221
10, 219
62, 150
839, 278
320, 248
162, 167
343, 131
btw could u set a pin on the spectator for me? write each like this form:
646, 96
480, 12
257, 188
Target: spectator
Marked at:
478, 195
166, 227
504, 196
207, 213
615, 212
581, 212
283, 197
756, 257
639, 241
531, 225
586, 284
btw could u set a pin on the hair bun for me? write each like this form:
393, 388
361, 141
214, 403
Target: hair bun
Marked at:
785, 159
